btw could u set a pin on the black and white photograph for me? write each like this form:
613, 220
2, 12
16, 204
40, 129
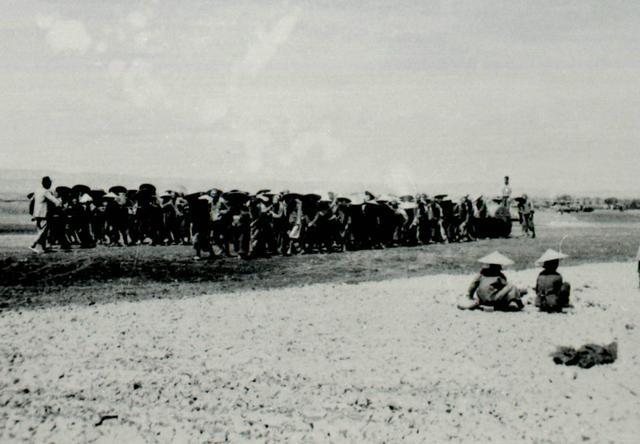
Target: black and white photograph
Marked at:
320, 221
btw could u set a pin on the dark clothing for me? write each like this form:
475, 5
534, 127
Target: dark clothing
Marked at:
552, 294
586, 356
492, 289
201, 220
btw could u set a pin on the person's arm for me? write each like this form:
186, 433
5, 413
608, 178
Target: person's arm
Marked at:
501, 282
315, 219
51, 198
474, 286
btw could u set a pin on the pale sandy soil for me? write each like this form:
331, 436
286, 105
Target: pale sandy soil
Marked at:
376, 362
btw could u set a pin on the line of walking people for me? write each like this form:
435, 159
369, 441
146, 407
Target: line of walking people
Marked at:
238, 223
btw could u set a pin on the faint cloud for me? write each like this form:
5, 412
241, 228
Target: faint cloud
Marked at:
266, 46
141, 41
255, 143
319, 143
213, 111
400, 179
64, 35
138, 83
137, 19
44, 21
116, 68
101, 47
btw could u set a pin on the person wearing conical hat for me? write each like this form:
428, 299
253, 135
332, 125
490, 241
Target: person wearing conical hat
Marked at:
552, 293
201, 223
278, 214
260, 226
491, 288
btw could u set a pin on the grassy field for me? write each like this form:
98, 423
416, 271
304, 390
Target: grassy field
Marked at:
131, 273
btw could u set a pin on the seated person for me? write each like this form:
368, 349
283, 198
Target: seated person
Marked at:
552, 293
490, 286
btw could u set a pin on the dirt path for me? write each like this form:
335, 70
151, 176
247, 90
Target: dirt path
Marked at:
371, 362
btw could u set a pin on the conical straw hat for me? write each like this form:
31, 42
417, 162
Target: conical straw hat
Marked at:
551, 255
495, 258
85, 198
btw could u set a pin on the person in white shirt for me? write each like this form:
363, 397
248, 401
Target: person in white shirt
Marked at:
42, 198
506, 192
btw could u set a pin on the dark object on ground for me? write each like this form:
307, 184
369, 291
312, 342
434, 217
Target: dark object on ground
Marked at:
586, 356
104, 418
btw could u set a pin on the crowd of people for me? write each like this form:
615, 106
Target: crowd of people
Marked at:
237, 223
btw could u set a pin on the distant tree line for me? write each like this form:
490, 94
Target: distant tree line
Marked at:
610, 203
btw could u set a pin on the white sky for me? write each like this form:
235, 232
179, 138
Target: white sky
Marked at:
400, 92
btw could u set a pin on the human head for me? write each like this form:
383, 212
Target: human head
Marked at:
46, 182
492, 268
506, 180
551, 265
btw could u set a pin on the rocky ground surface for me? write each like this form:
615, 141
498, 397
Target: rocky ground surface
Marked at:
373, 362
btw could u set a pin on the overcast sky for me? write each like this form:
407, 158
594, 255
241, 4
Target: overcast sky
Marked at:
402, 92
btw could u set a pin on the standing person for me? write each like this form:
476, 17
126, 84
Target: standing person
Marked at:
295, 233
279, 224
42, 199
526, 211
506, 192
85, 203
201, 226
481, 208
259, 226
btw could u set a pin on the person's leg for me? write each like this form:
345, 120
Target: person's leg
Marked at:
471, 304
508, 294
530, 227
43, 232
196, 244
57, 227
205, 242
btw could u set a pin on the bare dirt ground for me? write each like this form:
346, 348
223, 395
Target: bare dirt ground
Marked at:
373, 362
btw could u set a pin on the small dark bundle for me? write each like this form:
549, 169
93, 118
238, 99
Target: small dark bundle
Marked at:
586, 356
